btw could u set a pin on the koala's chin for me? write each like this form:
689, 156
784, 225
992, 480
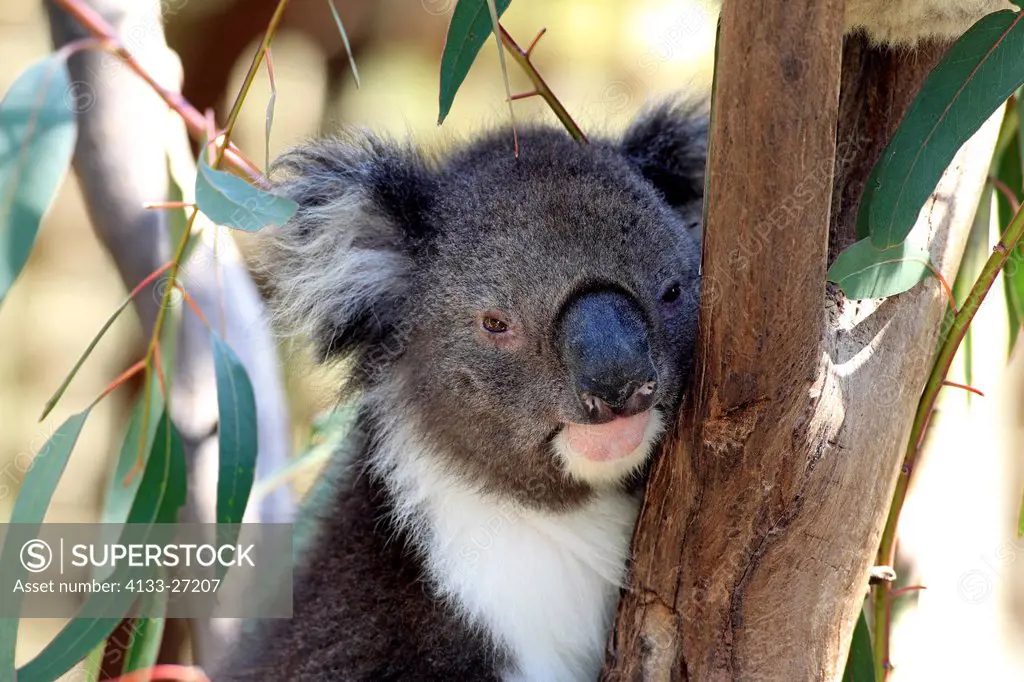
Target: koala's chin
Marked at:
610, 453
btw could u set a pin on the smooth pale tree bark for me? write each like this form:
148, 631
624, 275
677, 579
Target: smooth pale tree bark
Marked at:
762, 517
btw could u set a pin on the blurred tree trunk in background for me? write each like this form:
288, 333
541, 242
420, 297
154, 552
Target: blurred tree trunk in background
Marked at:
762, 518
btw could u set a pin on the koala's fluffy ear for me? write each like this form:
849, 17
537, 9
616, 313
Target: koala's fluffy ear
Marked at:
668, 144
339, 270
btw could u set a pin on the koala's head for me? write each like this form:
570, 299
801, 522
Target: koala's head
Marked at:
531, 320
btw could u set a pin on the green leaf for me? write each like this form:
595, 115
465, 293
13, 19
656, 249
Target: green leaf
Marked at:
37, 137
231, 201
93, 663
29, 509
862, 271
469, 29
148, 634
47, 468
162, 491
177, 218
860, 666
135, 448
1020, 519
237, 441
72, 644
980, 71
161, 494
237, 433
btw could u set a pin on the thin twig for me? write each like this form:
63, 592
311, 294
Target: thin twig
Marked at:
158, 365
162, 205
925, 409
522, 57
250, 76
192, 304
98, 26
1007, 193
52, 402
970, 389
533, 43
113, 385
909, 588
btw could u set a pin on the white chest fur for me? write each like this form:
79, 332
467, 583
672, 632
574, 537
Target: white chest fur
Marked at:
542, 584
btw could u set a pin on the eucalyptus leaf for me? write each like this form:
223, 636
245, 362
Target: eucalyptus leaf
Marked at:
92, 665
237, 440
863, 271
177, 218
468, 30
158, 500
122, 488
1020, 520
860, 665
29, 509
981, 70
148, 634
231, 201
72, 644
163, 489
37, 138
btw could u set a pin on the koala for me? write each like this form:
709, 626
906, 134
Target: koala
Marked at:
520, 333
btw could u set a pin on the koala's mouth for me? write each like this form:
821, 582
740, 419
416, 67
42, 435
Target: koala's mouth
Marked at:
609, 441
610, 451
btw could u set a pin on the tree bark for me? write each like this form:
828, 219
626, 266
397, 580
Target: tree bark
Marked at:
762, 516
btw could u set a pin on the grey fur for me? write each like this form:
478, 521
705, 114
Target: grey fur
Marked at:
390, 260
388, 265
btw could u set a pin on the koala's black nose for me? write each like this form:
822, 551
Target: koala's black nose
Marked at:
605, 347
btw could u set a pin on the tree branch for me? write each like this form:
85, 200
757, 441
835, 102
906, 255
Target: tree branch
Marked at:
94, 22
761, 519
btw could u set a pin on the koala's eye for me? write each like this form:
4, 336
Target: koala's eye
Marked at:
493, 325
672, 293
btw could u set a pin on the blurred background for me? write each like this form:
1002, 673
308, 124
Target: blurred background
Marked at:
605, 60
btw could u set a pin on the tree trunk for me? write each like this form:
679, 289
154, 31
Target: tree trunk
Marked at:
762, 517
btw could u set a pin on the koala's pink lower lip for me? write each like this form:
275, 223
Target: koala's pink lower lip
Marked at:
609, 441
